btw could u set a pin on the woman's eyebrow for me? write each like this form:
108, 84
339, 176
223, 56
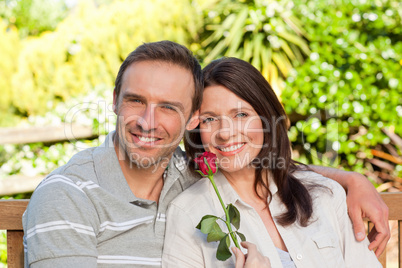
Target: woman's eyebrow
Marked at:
234, 110
177, 104
207, 113
239, 109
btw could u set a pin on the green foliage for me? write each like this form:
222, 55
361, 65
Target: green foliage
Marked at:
88, 47
93, 109
264, 33
234, 215
209, 226
3, 248
350, 88
33, 17
223, 253
9, 50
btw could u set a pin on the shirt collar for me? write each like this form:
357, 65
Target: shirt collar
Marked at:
229, 195
111, 176
109, 172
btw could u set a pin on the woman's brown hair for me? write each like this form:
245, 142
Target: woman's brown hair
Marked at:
247, 83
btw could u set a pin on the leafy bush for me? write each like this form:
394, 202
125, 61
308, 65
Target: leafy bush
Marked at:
3, 249
33, 17
9, 50
350, 87
88, 47
264, 33
93, 109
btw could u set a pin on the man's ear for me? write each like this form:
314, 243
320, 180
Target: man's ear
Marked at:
114, 101
194, 121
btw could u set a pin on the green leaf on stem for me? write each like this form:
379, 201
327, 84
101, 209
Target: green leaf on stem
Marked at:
242, 237
207, 223
223, 252
216, 233
234, 215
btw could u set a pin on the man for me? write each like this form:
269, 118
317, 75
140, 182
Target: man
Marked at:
107, 205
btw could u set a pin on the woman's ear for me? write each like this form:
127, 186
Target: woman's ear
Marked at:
193, 121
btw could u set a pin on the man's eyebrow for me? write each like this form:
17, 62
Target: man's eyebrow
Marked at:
176, 104
132, 96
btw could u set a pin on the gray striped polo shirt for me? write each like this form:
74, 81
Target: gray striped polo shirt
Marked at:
85, 215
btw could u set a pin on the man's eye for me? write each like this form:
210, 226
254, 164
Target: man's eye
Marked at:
168, 107
136, 101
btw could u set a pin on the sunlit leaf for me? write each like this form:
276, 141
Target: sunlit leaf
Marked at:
215, 233
207, 223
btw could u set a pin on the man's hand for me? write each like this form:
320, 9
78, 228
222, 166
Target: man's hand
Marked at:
253, 259
363, 200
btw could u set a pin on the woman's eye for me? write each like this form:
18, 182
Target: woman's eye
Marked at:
208, 120
241, 115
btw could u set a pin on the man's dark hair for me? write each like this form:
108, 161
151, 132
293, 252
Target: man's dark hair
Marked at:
169, 52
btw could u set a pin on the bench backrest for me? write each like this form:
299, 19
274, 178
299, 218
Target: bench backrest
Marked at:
10, 220
11, 212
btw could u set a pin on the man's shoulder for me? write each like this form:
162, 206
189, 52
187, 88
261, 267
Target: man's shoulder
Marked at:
79, 168
180, 160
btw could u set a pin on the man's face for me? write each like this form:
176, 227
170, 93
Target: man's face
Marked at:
153, 109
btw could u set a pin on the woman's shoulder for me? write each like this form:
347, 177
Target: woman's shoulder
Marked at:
193, 196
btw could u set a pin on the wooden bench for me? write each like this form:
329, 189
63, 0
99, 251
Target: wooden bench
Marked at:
10, 220
11, 212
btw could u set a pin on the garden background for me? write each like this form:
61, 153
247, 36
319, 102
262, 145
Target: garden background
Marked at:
336, 65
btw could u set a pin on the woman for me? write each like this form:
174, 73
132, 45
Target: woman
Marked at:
295, 217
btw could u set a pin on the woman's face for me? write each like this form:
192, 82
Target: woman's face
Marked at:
230, 128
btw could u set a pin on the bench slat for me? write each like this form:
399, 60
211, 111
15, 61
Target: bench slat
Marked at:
400, 243
383, 257
394, 203
11, 212
15, 249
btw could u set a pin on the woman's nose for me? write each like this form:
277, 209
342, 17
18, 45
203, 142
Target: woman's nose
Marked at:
226, 129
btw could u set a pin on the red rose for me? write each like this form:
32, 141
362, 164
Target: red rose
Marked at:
203, 167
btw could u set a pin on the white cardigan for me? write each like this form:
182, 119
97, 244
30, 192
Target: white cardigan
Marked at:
328, 241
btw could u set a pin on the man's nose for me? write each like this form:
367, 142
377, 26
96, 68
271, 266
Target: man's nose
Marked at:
147, 119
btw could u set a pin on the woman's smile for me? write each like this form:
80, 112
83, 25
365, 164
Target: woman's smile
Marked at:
230, 149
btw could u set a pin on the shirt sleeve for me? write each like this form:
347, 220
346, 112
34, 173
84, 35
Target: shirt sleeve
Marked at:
356, 254
182, 246
60, 226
